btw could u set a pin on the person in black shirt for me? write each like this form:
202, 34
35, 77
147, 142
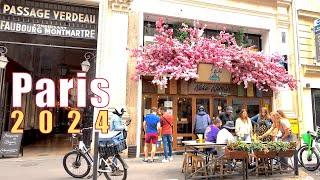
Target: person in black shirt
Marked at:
227, 116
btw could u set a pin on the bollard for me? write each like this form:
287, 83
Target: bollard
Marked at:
95, 155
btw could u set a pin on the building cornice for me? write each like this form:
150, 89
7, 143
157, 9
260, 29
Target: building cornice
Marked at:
208, 5
309, 69
120, 5
310, 14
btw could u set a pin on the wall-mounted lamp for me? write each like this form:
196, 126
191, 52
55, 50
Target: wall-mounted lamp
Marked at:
85, 65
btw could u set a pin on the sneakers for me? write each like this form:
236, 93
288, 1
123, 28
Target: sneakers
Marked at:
165, 160
170, 158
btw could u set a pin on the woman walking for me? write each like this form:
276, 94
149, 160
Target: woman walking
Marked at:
244, 126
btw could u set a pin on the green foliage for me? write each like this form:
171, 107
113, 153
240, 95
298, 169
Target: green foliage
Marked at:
292, 145
238, 146
178, 34
257, 146
241, 38
278, 146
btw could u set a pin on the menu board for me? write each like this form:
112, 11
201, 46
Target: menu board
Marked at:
10, 144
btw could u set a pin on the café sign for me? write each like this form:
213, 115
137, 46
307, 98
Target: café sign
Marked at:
208, 73
49, 21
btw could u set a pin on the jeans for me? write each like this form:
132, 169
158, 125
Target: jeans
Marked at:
167, 145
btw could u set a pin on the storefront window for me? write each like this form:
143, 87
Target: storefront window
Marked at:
219, 105
205, 102
184, 122
253, 107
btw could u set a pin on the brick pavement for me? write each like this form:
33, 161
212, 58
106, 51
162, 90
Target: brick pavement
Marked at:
50, 168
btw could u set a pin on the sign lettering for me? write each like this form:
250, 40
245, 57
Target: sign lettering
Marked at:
50, 21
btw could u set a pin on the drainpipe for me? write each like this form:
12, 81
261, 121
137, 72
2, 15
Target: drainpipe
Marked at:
295, 22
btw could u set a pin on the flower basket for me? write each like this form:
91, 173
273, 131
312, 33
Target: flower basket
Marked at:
287, 153
263, 154
234, 154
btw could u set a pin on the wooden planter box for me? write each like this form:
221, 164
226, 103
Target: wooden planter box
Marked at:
288, 153
262, 154
235, 154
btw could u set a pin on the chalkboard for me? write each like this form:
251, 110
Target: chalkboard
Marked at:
10, 144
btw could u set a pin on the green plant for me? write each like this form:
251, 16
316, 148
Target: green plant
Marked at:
178, 33
241, 38
238, 146
278, 146
292, 145
257, 146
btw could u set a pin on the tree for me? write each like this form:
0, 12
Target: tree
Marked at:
171, 58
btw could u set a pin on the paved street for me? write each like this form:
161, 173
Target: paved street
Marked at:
50, 168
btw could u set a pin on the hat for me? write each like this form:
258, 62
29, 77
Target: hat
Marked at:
229, 109
201, 108
229, 125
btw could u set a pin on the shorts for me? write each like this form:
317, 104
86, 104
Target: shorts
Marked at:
151, 138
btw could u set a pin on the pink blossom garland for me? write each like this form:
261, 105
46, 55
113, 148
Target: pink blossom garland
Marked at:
168, 58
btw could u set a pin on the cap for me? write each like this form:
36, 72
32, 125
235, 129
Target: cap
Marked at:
229, 109
201, 108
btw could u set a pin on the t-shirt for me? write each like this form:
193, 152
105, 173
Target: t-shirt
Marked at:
224, 136
151, 121
166, 121
224, 117
286, 122
211, 133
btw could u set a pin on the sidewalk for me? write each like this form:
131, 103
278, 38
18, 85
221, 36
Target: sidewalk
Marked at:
50, 168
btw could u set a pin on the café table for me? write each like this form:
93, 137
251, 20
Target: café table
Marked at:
210, 161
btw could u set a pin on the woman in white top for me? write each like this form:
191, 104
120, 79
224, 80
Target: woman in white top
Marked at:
244, 126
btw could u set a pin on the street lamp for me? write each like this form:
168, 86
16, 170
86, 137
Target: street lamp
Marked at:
85, 65
3, 59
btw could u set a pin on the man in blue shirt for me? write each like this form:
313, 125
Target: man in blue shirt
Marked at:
151, 126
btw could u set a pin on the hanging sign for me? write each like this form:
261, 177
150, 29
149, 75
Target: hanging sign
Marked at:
211, 74
48, 19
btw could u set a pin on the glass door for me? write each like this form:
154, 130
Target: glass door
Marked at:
184, 120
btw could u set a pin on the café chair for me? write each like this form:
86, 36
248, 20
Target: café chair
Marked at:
199, 162
187, 161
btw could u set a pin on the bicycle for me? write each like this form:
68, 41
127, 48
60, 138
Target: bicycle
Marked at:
110, 162
308, 151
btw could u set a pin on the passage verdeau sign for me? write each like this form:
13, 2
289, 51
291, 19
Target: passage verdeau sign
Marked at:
48, 19
48, 14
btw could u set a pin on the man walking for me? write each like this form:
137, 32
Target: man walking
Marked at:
151, 126
202, 121
166, 121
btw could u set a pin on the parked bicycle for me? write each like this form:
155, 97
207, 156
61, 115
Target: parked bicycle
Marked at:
308, 154
79, 161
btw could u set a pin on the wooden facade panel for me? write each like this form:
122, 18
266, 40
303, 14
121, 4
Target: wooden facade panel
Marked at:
173, 87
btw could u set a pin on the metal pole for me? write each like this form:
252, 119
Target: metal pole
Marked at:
295, 162
95, 155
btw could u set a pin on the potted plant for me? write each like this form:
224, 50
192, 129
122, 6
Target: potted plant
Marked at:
261, 151
287, 149
237, 150
272, 148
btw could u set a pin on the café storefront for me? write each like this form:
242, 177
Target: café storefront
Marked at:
46, 40
213, 90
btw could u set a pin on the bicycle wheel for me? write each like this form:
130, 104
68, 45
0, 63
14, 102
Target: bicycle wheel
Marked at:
298, 153
76, 164
114, 168
310, 161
